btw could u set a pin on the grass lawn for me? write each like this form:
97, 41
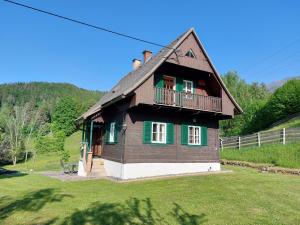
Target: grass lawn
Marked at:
280, 155
242, 197
292, 123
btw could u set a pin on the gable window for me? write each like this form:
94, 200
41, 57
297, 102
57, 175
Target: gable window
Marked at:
188, 88
112, 132
194, 135
158, 133
190, 54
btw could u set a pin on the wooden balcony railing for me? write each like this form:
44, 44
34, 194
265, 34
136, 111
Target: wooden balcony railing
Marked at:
192, 101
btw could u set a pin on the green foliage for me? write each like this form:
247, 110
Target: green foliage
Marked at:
64, 116
50, 161
251, 97
53, 144
46, 94
283, 102
47, 144
40, 100
278, 154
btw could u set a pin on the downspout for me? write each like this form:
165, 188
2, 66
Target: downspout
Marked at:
124, 142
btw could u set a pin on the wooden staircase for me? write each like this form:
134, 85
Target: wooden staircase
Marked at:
97, 168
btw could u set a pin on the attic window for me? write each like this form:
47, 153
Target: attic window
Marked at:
191, 54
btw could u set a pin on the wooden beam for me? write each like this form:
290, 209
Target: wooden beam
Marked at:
91, 134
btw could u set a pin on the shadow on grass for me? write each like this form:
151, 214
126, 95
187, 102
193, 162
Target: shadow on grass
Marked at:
31, 202
184, 218
133, 211
4, 173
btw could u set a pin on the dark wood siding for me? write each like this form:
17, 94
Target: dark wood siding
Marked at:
137, 152
115, 113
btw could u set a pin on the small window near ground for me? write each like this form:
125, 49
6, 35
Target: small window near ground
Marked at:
190, 54
112, 132
158, 133
194, 135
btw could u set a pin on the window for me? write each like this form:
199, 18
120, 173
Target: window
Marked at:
190, 54
194, 135
112, 132
158, 133
188, 88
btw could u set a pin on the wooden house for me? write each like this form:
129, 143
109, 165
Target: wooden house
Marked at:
160, 119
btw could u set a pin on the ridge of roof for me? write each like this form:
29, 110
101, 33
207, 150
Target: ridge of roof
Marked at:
135, 78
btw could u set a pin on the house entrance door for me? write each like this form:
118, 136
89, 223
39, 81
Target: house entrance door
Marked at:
97, 141
169, 87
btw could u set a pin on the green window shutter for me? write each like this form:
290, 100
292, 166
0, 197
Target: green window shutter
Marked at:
107, 129
179, 88
158, 81
184, 134
179, 84
204, 136
194, 87
170, 133
147, 132
117, 129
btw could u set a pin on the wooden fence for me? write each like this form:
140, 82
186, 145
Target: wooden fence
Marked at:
282, 136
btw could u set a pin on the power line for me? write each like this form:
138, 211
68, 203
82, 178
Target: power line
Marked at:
272, 55
86, 24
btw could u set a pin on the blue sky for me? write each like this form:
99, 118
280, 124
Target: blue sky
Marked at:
259, 39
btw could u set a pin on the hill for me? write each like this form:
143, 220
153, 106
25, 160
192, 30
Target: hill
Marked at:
289, 122
39, 93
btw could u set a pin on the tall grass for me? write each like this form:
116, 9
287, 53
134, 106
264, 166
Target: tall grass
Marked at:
277, 154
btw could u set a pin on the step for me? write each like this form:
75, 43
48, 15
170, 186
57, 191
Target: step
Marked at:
97, 168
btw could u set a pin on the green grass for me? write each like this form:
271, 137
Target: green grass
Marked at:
279, 155
242, 197
295, 122
50, 161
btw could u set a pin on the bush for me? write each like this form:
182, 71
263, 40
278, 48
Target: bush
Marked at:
64, 116
52, 144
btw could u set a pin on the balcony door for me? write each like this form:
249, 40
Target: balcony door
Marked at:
169, 90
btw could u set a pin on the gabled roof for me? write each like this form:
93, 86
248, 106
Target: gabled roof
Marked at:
135, 78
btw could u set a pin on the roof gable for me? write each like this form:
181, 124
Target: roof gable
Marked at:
170, 53
200, 61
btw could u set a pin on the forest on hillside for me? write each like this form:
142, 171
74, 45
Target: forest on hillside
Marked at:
261, 107
39, 115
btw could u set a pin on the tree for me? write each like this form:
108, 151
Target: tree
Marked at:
64, 116
251, 97
14, 129
283, 102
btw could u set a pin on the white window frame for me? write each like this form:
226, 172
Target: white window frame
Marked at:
112, 132
185, 89
194, 135
165, 134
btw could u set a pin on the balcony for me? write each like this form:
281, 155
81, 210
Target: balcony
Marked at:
170, 97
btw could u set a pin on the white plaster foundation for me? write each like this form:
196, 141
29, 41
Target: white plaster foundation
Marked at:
81, 171
142, 170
